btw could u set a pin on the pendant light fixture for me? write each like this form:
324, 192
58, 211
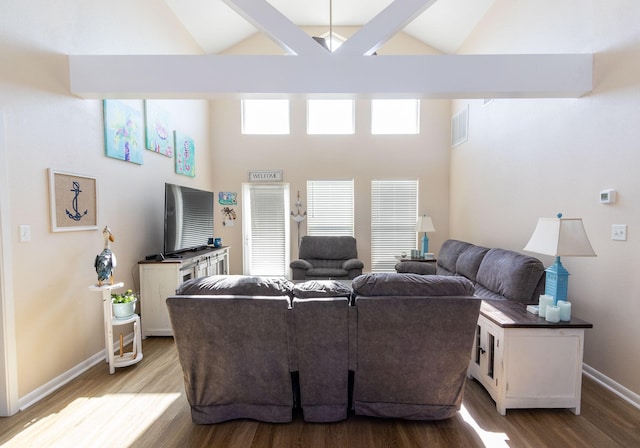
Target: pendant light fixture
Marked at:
327, 42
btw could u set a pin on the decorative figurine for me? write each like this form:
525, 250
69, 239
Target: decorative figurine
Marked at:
105, 261
298, 217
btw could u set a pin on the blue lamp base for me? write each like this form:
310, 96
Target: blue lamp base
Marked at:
425, 244
557, 281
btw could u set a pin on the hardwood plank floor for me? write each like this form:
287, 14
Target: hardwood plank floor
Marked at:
144, 406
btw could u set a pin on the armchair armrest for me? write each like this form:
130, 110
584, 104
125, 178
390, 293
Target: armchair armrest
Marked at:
352, 263
300, 264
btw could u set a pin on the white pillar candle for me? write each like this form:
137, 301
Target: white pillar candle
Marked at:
552, 313
565, 310
544, 301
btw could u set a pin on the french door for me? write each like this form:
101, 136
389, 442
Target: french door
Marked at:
265, 229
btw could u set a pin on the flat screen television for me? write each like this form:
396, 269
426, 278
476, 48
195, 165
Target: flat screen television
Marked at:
188, 218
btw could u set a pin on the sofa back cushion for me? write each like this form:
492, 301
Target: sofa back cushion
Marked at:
394, 284
328, 248
448, 256
236, 285
321, 288
504, 274
469, 261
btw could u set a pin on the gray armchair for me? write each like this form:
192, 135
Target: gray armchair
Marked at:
327, 257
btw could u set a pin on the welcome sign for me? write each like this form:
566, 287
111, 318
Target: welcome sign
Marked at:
265, 176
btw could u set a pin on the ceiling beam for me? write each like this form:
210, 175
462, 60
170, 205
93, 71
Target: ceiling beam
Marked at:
277, 26
383, 27
430, 76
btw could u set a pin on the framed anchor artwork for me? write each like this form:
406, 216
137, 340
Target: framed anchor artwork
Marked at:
73, 201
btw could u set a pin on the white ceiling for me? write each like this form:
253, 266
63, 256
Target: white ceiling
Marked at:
216, 27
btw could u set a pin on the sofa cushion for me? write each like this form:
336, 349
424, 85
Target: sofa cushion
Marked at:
448, 256
321, 288
508, 275
236, 285
395, 284
416, 267
469, 261
327, 273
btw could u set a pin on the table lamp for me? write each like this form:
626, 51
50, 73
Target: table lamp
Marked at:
559, 237
425, 225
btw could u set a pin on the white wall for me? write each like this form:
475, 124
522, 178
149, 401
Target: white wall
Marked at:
58, 320
532, 158
361, 156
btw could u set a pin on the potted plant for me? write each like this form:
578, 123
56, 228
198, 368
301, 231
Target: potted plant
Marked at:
124, 305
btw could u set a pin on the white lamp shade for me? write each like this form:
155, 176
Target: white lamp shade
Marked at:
560, 237
425, 224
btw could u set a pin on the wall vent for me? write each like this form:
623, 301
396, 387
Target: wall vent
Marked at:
460, 127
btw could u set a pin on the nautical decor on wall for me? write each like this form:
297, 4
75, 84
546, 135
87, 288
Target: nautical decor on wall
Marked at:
297, 216
185, 154
229, 216
73, 201
123, 131
158, 131
105, 261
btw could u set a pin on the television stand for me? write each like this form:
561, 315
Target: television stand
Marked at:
159, 279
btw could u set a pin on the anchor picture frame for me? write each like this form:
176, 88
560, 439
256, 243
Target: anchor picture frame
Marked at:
73, 201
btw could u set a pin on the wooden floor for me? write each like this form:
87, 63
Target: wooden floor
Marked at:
144, 406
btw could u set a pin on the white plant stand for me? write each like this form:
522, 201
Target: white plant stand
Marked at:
122, 359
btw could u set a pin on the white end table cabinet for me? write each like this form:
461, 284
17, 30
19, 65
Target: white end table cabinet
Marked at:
523, 361
123, 359
160, 279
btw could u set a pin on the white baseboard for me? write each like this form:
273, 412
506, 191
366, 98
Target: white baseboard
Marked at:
614, 387
56, 383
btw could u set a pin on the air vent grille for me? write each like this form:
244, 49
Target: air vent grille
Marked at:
460, 127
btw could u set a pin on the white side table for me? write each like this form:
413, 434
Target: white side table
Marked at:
122, 359
523, 361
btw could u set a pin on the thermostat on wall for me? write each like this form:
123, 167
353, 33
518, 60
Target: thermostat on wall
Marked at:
608, 196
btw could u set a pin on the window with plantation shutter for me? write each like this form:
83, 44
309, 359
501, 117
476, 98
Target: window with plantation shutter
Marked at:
265, 228
330, 207
394, 212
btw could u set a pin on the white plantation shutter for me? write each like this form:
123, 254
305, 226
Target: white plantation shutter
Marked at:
394, 212
266, 229
330, 207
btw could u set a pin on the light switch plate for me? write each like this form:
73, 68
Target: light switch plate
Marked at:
25, 233
619, 232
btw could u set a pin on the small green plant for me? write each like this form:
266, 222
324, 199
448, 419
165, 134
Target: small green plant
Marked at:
127, 297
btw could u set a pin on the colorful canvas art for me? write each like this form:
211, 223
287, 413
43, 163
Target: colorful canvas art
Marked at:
227, 198
158, 136
185, 155
123, 131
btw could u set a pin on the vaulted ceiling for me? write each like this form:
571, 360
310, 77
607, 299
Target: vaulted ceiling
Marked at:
215, 26
308, 69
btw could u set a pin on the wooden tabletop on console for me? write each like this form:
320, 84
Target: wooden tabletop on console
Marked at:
510, 314
179, 258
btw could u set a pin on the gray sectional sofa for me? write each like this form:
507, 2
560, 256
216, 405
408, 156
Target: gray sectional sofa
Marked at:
254, 347
497, 274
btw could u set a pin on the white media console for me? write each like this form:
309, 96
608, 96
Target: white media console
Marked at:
160, 279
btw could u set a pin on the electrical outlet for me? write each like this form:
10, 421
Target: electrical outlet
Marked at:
25, 233
619, 232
